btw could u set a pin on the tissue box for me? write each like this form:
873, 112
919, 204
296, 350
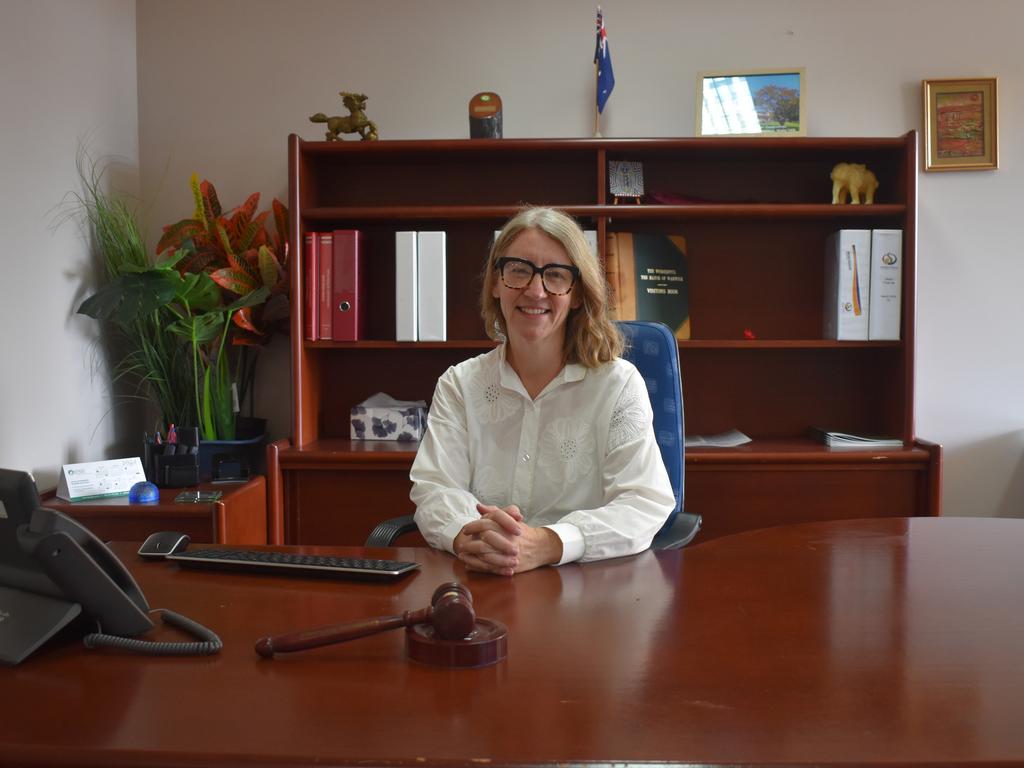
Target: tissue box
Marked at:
388, 423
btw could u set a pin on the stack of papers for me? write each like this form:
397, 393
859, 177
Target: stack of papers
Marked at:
866, 442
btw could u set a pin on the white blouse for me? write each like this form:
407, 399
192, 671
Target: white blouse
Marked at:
580, 459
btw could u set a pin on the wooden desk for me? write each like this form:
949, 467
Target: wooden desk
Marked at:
333, 491
238, 517
882, 641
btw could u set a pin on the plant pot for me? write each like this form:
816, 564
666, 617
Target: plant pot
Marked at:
239, 458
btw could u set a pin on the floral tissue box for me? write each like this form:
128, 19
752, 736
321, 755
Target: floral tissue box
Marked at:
381, 417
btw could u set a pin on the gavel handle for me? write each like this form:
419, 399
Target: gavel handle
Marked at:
338, 633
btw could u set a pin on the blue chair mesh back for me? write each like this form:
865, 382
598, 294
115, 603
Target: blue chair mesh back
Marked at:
653, 349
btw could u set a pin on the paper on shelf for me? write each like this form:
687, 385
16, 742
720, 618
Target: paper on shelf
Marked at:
835, 439
728, 439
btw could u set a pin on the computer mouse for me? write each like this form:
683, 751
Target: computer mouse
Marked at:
162, 543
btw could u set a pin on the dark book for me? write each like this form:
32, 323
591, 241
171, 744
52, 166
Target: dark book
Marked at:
648, 279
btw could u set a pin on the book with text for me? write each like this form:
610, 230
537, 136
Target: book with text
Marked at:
847, 275
886, 284
647, 275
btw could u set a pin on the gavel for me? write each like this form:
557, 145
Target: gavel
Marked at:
450, 613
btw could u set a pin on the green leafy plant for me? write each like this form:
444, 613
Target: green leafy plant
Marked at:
218, 289
150, 361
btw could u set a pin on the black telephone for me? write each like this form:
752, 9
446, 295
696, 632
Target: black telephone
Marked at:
52, 569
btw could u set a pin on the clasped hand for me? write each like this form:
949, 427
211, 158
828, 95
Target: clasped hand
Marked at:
500, 542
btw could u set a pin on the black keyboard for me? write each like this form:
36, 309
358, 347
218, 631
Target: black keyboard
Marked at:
293, 564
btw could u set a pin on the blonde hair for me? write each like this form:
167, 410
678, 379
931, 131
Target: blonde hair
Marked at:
591, 338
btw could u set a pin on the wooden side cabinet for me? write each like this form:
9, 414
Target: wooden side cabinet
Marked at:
755, 212
238, 517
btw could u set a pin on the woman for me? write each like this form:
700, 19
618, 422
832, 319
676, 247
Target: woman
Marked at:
541, 451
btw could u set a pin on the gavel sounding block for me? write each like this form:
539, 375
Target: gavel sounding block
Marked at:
487, 644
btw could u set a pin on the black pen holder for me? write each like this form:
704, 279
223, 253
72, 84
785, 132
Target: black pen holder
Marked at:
172, 465
177, 471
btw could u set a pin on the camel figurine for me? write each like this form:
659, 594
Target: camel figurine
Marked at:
354, 122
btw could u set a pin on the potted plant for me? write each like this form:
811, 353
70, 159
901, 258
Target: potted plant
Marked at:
244, 270
192, 320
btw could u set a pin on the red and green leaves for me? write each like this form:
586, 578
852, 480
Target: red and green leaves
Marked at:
237, 252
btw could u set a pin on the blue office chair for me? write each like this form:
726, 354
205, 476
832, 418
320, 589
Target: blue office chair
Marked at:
652, 348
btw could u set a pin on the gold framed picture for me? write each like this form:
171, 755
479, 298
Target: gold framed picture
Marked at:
960, 125
756, 102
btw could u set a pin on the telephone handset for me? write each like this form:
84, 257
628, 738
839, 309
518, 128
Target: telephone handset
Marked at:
85, 571
52, 569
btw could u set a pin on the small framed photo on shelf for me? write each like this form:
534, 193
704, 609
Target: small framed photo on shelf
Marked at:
626, 180
960, 125
759, 102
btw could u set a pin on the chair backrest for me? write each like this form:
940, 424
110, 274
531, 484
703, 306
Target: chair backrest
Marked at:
653, 349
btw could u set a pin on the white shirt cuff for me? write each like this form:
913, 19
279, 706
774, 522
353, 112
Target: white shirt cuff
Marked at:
449, 532
572, 541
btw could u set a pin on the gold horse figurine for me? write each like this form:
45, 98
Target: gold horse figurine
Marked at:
355, 122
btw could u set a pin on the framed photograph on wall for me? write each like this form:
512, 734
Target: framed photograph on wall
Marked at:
960, 125
758, 102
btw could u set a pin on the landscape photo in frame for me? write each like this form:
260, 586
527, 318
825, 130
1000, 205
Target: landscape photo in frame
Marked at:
762, 102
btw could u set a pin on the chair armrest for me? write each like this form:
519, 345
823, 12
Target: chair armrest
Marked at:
387, 531
680, 533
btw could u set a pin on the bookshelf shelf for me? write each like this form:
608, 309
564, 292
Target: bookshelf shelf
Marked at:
622, 212
741, 211
756, 261
408, 346
761, 344
485, 344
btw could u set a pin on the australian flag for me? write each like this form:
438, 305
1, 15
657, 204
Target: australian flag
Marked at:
603, 60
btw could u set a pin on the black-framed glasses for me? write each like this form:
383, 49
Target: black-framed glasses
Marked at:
557, 279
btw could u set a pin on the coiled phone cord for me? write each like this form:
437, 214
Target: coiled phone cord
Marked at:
209, 645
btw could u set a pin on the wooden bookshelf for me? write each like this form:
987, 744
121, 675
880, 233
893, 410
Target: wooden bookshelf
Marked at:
756, 246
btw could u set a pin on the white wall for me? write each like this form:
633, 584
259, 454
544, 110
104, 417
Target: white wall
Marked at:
67, 73
223, 82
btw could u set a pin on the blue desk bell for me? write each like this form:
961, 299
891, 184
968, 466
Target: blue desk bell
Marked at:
144, 492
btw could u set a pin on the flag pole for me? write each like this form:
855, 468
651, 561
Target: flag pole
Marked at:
597, 112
